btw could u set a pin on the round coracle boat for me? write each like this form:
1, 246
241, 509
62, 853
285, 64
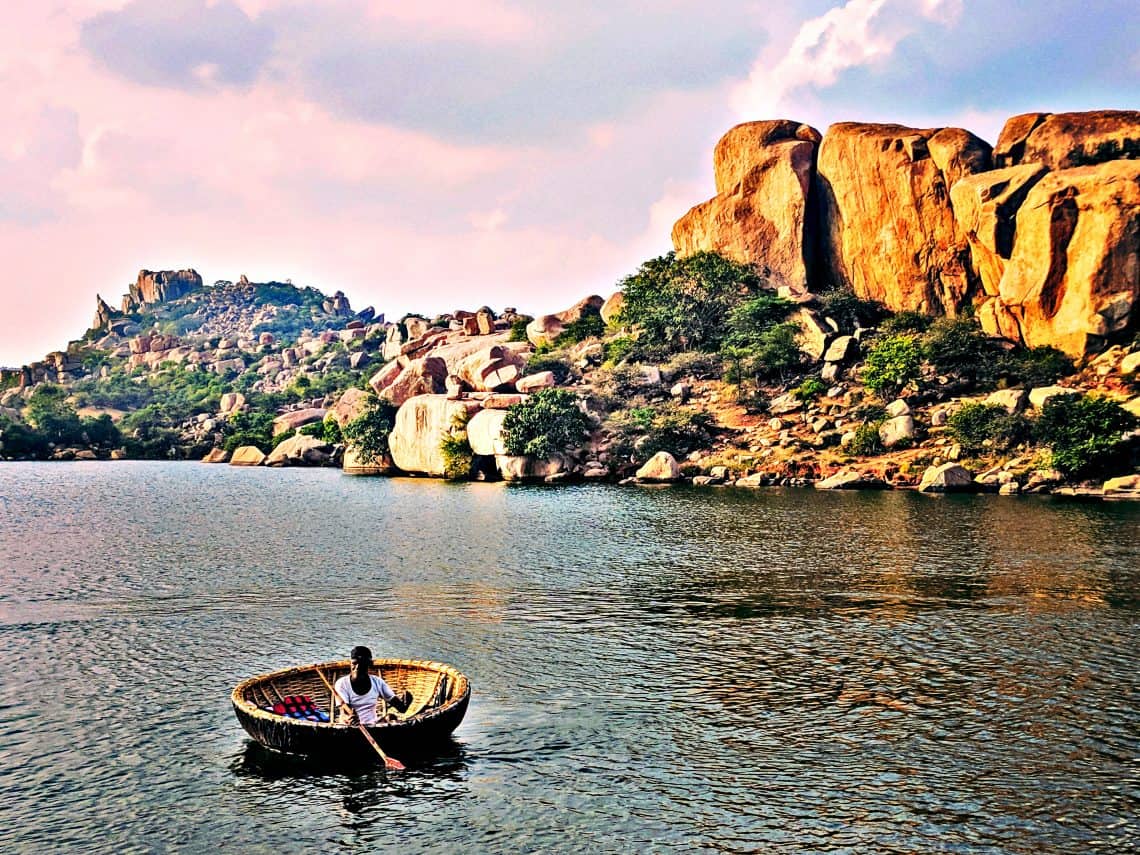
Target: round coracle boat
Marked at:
289, 710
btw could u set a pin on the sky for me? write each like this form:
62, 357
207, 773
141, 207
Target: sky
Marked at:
433, 155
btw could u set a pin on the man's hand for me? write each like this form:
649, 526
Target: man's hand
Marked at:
402, 701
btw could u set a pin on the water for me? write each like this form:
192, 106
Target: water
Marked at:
665, 669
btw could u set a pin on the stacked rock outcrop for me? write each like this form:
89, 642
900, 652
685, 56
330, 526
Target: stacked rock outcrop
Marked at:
1041, 235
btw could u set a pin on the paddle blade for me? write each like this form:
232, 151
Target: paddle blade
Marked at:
394, 764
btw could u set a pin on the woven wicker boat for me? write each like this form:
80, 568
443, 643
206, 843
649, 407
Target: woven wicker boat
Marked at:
439, 701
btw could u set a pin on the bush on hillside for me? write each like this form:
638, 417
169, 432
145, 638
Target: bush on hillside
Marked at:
547, 422
368, 432
589, 325
248, 428
906, 322
866, 442
849, 310
1037, 366
975, 424
891, 363
681, 303
1085, 434
958, 347
639, 433
455, 448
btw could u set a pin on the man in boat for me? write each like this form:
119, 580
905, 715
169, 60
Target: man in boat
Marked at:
363, 691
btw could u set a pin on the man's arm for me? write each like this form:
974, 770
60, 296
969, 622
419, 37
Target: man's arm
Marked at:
400, 701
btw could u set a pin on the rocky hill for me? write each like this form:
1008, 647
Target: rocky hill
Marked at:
878, 307
1038, 235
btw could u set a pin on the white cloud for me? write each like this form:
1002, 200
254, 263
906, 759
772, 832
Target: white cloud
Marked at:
858, 33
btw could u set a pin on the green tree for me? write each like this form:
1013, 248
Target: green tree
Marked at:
368, 432
547, 422
891, 363
681, 303
53, 417
1086, 434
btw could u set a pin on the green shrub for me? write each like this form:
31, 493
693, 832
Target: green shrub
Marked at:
547, 422
1037, 366
974, 424
681, 303
891, 363
959, 348
589, 325
455, 448
19, 440
810, 389
518, 330
866, 442
249, 428
49, 412
1084, 433
907, 322
639, 433
618, 349
368, 432
850, 311
772, 353
557, 365
693, 363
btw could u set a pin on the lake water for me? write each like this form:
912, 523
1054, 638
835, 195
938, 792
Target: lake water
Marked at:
716, 670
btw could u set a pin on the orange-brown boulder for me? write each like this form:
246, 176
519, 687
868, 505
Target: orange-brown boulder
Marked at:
1066, 140
1074, 275
763, 173
890, 232
986, 206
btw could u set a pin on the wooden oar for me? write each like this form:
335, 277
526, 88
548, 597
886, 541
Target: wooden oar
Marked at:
389, 762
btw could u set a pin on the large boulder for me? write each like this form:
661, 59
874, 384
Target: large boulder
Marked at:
544, 329
216, 455
522, 468
1073, 277
763, 173
1065, 140
421, 422
299, 450
231, 402
350, 405
354, 464
485, 432
425, 376
896, 430
851, 479
611, 309
297, 418
247, 455
890, 230
986, 207
947, 478
662, 467
157, 286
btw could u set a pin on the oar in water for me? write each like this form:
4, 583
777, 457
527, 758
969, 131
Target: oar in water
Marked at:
389, 762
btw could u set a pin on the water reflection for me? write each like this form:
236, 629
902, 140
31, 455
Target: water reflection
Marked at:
725, 670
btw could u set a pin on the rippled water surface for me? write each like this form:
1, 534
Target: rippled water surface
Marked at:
664, 669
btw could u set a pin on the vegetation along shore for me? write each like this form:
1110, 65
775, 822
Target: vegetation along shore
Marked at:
875, 307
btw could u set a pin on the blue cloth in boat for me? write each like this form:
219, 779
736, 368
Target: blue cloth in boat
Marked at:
298, 706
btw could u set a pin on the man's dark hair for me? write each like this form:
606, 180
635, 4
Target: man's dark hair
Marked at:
361, 653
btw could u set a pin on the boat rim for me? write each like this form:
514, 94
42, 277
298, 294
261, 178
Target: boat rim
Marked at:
249, 708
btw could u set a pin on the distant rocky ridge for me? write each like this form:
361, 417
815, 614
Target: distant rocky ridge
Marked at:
1040, 236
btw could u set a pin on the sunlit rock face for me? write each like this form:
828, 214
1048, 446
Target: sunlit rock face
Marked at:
760, 215
889, 229
1073, 277
160, 286
1043, 247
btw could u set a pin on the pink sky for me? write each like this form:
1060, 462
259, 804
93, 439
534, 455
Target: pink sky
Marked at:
432, 156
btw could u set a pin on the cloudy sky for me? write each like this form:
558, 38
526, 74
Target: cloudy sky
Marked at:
432, 155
